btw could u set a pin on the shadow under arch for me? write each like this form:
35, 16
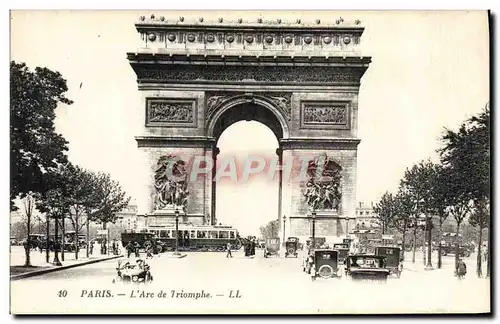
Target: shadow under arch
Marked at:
245, 107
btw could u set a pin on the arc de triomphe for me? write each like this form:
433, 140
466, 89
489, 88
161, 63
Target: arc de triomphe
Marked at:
301, 80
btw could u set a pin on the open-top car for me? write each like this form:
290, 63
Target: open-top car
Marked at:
367, 267
129, 272
322, 263
291, 246
394, 258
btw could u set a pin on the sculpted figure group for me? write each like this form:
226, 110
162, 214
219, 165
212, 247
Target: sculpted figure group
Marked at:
323, 193
171, 183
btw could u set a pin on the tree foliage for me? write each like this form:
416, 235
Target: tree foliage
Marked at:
385, 211
270, 230
35, 147
109, 199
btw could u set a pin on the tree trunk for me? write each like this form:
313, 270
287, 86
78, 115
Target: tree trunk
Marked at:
440, 262
404, 242
27, 247
488, 260
63, 246
414, 243
479, 250
457, 245
104, 245
56, 250
429, 243
76, 243
87, 237
47, 232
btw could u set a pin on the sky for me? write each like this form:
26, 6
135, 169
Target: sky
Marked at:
429, 70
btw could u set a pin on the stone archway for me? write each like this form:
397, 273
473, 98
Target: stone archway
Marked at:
301, 80
229, 108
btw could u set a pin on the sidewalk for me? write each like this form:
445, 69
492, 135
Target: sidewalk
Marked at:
40, 266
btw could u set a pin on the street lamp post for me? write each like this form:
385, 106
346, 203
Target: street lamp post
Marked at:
176, 232
284, 225
56, 261
313, 216
347, 227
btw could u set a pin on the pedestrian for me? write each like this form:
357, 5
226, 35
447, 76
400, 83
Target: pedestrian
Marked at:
229, 255
91, 247
149, 251
136, 248
129, 247
461, 269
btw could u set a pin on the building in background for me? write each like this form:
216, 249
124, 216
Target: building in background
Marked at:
127, 218
365, 216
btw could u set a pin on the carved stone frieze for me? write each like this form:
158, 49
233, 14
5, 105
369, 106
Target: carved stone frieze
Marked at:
245, 73
336, 115
165, 112
325, 113
281, 100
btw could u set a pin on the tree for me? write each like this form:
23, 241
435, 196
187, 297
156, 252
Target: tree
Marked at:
269, 230
417, 184
80, 198
385, 211
403, 220
29, 205
437, 203
480, 218
35, 146
466, 153
55, 200
108, 199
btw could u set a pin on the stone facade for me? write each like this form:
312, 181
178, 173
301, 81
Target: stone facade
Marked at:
301, 80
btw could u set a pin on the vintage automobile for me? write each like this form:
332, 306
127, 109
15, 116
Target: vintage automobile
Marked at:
367, 268
393, 258
451, 249
343, 253
127, 272
291, 246
322, 263
272, 247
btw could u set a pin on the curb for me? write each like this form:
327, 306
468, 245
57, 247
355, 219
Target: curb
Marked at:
54, 269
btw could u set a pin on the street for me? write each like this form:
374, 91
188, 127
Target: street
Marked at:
272, 285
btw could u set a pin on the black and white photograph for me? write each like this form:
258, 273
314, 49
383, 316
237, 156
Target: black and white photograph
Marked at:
250, 162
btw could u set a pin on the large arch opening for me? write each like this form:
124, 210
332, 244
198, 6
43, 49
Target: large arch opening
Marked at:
241, 132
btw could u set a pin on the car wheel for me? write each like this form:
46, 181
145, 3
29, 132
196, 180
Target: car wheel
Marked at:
325, 271
135, 278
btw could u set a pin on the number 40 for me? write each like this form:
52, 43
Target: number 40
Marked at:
62, 293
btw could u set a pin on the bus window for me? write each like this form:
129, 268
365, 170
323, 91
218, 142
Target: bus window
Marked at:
186, 234
202, 234
193, 234
212, 234
163, 234
174, 234
168, 233
223, 234
231, 234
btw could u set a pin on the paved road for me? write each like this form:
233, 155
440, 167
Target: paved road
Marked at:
265, 285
